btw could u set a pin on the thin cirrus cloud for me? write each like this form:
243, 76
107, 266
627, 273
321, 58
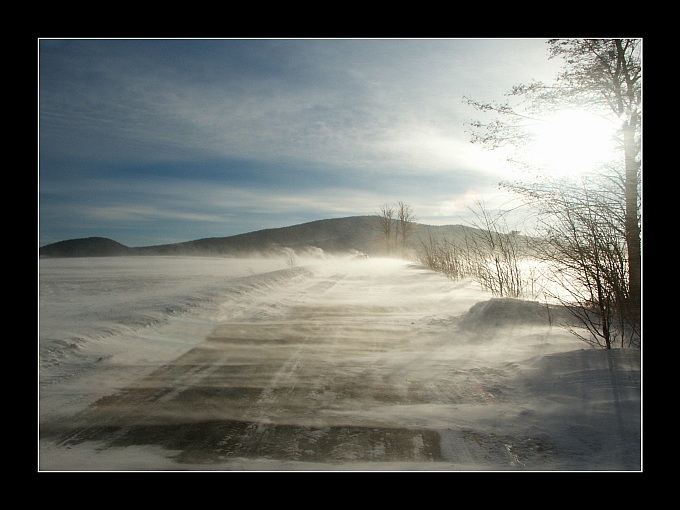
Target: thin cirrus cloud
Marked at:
301, 128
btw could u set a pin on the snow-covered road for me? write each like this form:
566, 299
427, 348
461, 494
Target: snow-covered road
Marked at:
349, 364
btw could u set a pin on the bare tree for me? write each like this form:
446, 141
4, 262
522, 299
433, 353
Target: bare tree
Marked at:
385, 220
602, 75
608, 73
405, 223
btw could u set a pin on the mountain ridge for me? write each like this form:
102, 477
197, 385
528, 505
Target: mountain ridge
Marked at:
361, 234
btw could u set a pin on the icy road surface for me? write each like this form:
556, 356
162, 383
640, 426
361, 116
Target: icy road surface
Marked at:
330, 364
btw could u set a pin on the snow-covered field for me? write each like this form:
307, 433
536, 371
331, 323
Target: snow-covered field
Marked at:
317, 363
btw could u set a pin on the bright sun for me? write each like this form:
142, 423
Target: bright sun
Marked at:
573, 142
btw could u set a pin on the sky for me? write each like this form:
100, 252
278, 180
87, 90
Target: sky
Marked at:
155, 141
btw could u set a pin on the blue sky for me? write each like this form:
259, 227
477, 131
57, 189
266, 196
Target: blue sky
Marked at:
157, 141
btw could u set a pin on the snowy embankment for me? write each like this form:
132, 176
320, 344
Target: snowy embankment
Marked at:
138, 313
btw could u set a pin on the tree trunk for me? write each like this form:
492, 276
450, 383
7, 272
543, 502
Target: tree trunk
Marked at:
632, 225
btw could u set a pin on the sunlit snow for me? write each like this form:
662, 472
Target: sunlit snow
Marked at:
317, 363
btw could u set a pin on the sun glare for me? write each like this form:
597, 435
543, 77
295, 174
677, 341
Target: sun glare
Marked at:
573, 142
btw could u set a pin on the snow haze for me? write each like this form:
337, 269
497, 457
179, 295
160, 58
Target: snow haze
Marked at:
317, 363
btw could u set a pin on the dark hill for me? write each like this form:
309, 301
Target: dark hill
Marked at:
340, 235
358, 233
87, 247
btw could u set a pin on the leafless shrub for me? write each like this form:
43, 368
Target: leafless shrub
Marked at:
443, 256
496, 254
490, 253
582, 238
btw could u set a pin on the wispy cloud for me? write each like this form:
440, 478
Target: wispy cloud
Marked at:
194, 130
